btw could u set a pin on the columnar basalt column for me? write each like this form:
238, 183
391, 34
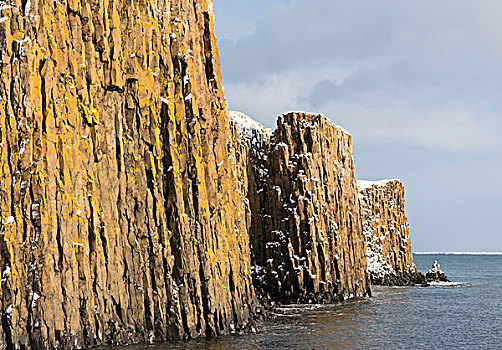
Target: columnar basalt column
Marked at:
120, 215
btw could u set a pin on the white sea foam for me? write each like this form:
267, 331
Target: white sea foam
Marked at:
446, 284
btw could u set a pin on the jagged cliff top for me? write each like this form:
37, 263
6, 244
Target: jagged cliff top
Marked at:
249, 127
365, 184
315, 117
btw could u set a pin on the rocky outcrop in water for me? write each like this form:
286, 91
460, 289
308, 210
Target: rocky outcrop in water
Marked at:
387, 232
121, 219
435, 274
305, 229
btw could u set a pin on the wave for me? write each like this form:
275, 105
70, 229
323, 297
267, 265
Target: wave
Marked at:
459, 253
447, 284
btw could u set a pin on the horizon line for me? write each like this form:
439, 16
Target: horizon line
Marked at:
457, 253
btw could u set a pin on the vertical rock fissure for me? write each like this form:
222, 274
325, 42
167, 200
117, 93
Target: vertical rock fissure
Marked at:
6, 292
310, 236
208, 52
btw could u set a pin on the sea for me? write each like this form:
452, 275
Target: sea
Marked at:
463, 314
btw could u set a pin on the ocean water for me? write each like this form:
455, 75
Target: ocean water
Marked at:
466, 314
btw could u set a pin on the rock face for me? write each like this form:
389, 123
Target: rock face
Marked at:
305, 228
387, 232
121, 215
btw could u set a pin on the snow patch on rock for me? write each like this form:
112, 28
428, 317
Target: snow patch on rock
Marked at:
378, 264
249, 127
9, 221
365, 184
436, 268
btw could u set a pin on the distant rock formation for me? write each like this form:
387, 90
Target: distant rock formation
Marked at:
386, 228
305, 232
435, 274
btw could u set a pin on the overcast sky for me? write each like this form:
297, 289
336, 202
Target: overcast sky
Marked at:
417, 83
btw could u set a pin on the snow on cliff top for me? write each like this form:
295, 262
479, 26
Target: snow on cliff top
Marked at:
247, 125
364, 184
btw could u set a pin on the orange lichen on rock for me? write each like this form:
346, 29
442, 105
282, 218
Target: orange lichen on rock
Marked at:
119, 223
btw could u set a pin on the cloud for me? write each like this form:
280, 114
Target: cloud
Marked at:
371, 113
423, 73
417, 83
237, 18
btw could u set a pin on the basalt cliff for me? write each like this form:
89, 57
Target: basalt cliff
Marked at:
121, 219
387, 233
134, 209
305, 230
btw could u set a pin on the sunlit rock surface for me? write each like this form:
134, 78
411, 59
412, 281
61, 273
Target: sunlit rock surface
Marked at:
120, 210
305, 229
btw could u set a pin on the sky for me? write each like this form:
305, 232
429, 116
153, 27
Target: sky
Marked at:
417, 83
